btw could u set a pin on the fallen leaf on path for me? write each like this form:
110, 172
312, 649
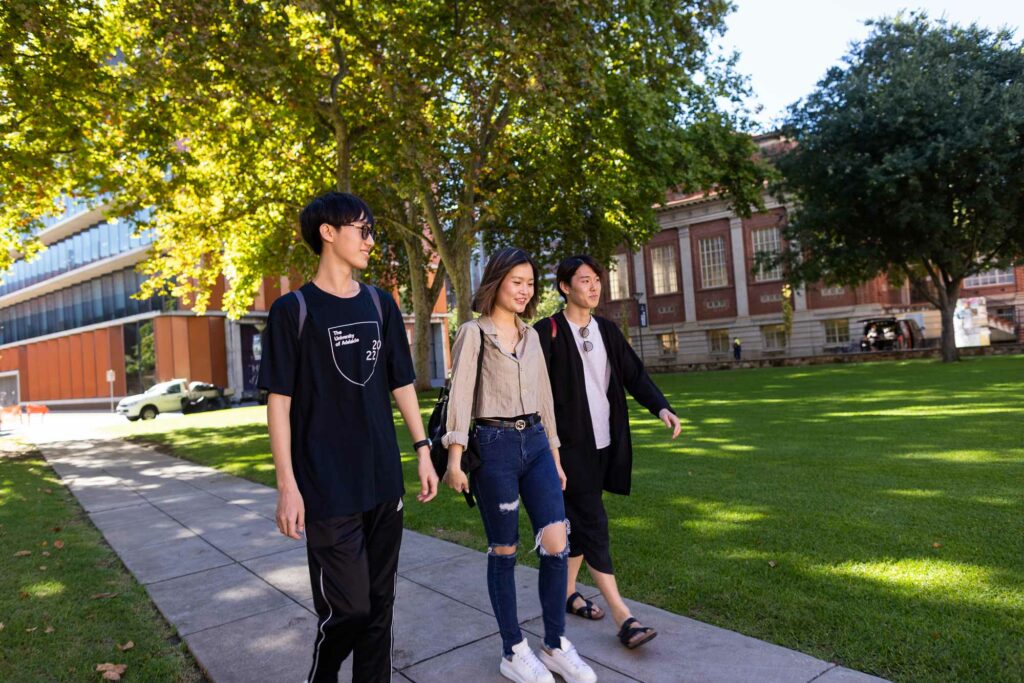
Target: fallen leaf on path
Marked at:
127, 646
102, 596
58, 544
23, 553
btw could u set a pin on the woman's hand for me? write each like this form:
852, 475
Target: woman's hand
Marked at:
671, 421
558, 467
456, 479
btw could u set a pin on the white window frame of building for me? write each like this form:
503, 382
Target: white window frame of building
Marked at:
718, 341
713, 272
766, 241
618, 278
988, 278
668, 343
837, 331
664, 274
837, 290
775, 337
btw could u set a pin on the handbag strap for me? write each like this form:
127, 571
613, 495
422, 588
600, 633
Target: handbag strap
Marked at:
479, 368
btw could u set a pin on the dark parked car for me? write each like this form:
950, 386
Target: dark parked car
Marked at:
887, 334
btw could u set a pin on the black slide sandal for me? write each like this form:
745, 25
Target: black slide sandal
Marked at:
585, 612
628, 633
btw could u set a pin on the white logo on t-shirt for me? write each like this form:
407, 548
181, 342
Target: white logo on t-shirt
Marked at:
355, 348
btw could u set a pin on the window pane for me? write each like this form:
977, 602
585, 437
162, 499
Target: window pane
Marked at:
712, 262
618, 277
766, 241
663, 267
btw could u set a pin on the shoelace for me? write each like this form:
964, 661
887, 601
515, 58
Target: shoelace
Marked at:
536, 666
573, 657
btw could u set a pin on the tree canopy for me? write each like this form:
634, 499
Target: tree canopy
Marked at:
908, 159
530, 121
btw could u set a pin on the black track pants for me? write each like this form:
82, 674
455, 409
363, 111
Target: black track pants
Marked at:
353, 566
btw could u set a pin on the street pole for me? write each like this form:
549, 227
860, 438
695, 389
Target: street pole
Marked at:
641, 323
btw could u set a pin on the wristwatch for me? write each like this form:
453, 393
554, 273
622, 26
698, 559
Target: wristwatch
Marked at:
424, 442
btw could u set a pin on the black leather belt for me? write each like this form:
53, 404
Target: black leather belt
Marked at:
517, 423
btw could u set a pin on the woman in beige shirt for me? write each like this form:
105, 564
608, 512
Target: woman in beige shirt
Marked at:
514, 423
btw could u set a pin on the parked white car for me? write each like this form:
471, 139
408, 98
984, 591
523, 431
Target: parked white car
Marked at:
164, 397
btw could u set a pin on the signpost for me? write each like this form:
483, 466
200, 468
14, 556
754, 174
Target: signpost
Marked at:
642, 314
110, 380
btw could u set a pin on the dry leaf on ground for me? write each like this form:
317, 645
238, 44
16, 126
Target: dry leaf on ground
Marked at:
23, 553
49, 629
111, 672
127, 646
58, 544
102, 596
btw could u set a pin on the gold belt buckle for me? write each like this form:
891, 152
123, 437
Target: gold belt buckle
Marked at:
520, 425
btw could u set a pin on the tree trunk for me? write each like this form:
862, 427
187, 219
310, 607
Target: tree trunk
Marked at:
422, 308
950, 353
462, 282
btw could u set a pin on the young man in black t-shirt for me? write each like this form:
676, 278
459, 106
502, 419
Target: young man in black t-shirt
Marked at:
332, 352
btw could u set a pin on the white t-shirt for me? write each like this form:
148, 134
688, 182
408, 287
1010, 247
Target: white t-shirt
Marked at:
597, 375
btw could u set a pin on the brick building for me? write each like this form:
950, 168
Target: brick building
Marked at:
698, 280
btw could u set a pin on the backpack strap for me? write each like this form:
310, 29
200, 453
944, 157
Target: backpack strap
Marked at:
479, 368
375, 295
302, 309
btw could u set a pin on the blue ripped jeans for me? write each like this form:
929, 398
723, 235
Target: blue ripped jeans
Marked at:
518, 465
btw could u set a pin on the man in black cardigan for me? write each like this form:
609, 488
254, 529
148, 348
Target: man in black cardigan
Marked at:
591, 366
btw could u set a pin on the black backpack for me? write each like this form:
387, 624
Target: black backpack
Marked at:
439, 423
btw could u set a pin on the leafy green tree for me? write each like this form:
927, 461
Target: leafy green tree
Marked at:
560, 122
909, 159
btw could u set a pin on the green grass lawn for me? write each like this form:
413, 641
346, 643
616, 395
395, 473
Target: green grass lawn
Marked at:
869, 514
66, 602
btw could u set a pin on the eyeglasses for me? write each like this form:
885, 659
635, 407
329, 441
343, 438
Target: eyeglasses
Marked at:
366, 230
587, 346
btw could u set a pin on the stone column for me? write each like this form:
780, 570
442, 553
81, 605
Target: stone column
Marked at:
739, 267
689, 288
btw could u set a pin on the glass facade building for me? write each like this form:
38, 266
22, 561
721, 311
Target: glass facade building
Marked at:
101, 299
96, 243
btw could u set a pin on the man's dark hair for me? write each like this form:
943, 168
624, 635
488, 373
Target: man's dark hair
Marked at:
495, 271
568, 267
333, 208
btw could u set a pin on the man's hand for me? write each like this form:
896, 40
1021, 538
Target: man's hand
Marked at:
291, 513
428, 477
671, 421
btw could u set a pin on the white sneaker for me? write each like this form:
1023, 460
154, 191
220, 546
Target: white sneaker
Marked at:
566, 661
524, 667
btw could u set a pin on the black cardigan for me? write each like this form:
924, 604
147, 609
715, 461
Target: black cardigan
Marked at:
578, 451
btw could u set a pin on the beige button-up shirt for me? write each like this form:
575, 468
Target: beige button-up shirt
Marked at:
511, 385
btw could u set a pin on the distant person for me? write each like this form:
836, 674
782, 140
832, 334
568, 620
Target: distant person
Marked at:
513, 418
737, 348
333, 351
591, 366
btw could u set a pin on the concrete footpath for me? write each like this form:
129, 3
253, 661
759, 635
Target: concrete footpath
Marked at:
205, 546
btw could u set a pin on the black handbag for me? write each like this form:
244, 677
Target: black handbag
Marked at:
438, 423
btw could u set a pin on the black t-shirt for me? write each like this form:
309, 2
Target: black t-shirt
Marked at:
339, 375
